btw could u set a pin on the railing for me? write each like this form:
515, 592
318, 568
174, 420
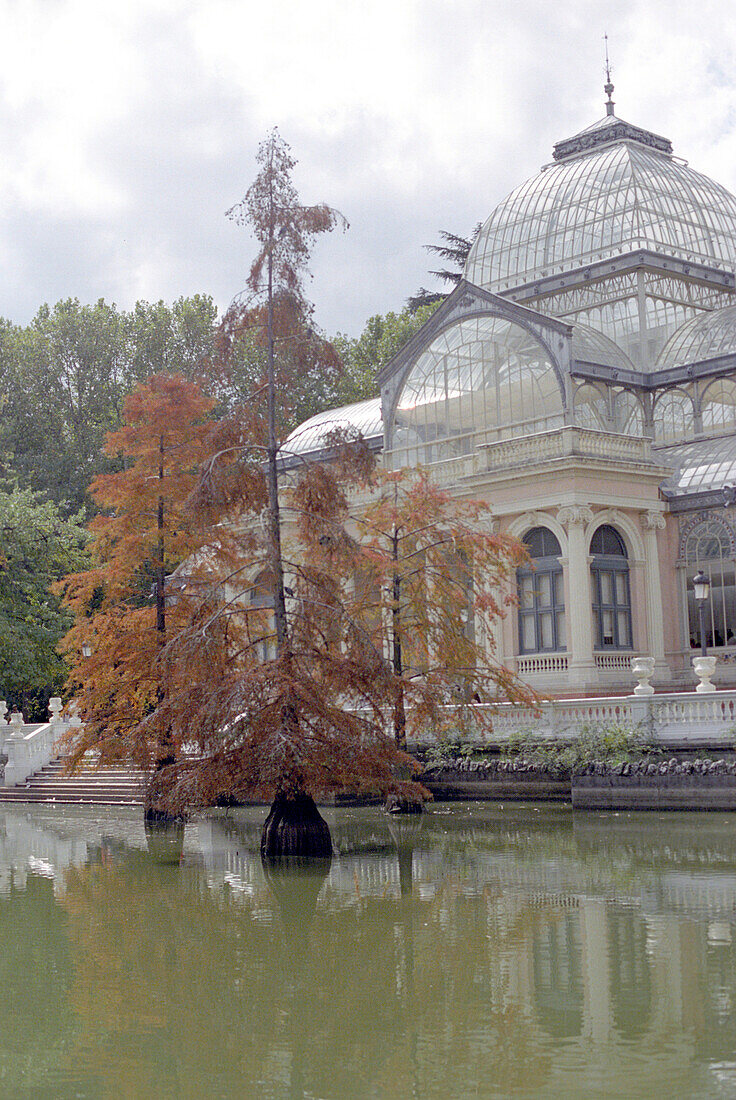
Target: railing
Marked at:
540, 663
617, 662
466, 455
707, 719
30, 746
566, 441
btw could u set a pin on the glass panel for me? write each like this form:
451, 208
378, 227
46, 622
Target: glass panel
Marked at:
544, 589
559, 590
621, 593
547, 640
606, 586
528, 635
526, 592
607, 623
623, 628
561, 634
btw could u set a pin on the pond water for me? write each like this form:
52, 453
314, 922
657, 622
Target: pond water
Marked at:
477, 951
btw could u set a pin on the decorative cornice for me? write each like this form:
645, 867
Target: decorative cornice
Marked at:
607, 135
574, 515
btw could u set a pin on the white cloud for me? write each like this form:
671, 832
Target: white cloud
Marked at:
128, 129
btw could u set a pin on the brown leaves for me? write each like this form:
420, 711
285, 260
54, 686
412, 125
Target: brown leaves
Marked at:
284, 228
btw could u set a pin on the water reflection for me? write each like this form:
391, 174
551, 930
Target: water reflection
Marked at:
476, 951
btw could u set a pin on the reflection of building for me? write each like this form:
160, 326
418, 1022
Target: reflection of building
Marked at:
582, 378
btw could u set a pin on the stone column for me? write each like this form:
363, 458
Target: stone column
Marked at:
652, 522
581, 666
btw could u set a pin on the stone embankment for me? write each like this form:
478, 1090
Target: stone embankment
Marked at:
674, 784
464, 777
699, 784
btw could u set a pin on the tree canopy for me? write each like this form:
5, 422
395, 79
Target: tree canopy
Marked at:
37, 547
124, 606
65, 377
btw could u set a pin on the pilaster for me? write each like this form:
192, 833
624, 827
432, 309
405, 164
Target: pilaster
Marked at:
651, 522
581, 665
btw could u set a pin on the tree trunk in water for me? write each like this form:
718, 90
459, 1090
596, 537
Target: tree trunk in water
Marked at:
295, 831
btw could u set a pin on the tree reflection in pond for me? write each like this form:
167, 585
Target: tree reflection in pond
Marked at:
478, 953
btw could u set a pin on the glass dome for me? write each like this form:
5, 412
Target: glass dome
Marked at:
704, 337
484, 375
363, 417
621, 196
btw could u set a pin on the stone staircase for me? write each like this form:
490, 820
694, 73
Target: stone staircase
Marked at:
89, 785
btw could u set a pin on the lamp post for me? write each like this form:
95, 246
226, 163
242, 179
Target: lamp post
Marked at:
701, 586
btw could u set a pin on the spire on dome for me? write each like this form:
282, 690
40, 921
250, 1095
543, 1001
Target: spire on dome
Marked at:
608, 86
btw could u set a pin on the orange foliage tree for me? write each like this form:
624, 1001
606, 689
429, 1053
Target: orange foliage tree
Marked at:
434, 581
272, 668
127, 605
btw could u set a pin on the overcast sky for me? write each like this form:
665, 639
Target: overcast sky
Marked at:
128, 128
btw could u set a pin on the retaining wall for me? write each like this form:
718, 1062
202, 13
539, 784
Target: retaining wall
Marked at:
675, 784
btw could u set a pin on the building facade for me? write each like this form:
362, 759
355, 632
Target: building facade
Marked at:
582, 379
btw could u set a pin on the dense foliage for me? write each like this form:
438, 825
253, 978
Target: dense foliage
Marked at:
66, 375
130, 599
37, 547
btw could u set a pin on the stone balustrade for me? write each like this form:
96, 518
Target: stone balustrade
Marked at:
563, 442
28, 747
704, 720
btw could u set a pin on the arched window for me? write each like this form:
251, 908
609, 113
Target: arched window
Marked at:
708, 547
483, 375
719, 405
610, 589
673, 417
628, 414
591, 408
541, 595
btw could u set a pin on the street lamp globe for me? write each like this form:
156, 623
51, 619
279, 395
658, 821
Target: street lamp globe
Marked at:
701, 585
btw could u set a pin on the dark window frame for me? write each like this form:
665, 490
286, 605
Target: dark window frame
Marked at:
613, 566
550, 566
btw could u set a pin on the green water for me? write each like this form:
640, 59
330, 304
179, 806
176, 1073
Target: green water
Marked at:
479, 951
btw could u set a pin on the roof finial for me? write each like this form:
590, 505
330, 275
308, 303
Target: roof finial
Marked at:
608, 86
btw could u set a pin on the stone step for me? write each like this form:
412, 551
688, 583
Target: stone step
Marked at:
15, 794
88, 785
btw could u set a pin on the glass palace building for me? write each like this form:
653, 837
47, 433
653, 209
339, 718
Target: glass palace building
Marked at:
582, 379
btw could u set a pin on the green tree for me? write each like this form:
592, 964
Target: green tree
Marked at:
454, 251
65, 377
37, 548
364, 356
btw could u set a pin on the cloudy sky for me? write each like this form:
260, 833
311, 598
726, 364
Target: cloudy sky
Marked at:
128, 128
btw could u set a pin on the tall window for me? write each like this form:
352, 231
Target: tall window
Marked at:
708, 547
611, 594
261, 625
541, 596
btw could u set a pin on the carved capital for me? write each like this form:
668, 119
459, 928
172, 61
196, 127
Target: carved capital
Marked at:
487, 523
652, 521
574, 515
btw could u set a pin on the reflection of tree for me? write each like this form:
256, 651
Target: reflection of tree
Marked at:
454, 980
35, 975
178, 987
